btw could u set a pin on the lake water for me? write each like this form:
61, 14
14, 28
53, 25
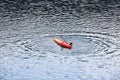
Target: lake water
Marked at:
27, 50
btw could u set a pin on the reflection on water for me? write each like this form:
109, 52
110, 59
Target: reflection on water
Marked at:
27, 50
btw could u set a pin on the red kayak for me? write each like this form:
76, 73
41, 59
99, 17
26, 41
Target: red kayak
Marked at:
63, 44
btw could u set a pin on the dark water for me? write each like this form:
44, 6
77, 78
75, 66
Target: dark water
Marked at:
27, 29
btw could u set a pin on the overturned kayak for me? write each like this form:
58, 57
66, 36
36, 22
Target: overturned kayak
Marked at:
63, 44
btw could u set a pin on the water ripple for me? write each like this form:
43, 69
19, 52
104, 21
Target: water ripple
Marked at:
84, 45
90, 53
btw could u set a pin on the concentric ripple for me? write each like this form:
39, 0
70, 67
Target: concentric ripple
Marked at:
84, 45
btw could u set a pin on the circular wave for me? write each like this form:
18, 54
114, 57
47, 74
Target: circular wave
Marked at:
84, 45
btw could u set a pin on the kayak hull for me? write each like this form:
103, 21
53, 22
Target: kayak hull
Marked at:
61, 43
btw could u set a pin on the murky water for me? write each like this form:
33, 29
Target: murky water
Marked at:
27, 50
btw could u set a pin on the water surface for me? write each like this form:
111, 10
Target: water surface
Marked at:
27, 50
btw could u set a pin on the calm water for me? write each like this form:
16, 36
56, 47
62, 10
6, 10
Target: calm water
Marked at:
27, 50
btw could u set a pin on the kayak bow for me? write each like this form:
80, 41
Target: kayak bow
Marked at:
63, 44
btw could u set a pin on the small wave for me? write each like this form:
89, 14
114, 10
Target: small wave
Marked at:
84, 45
